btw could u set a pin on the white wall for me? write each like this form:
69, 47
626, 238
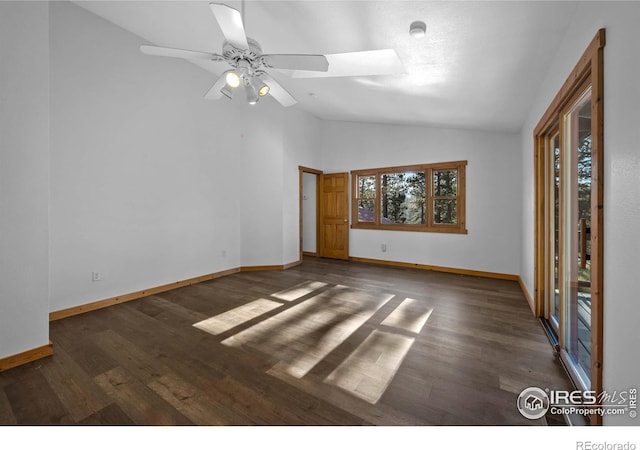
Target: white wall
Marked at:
621, 368
141, 189
263, 186
493, 192
153, 184
24, 176
309, 212
301, 148
276, 141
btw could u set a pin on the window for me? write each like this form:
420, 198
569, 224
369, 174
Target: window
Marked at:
425, 197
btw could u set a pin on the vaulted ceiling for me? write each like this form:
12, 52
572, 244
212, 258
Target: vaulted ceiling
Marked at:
479, 65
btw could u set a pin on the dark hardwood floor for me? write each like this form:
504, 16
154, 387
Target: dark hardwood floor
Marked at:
345, 350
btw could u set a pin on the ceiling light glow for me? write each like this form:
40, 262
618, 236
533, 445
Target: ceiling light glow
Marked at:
232, 79
264, 90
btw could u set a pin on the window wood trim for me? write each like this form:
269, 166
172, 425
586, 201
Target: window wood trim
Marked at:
429, 226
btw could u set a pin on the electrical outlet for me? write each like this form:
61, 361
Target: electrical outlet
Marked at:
383, 247
96, 276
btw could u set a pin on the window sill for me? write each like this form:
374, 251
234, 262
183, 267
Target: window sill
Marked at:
419, 228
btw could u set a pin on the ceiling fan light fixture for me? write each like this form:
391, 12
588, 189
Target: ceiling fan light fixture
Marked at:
232, 79
418, 29
264, 90
227, 92
252, 94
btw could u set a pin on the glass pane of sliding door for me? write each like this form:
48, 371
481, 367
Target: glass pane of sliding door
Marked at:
553, 230
576, 226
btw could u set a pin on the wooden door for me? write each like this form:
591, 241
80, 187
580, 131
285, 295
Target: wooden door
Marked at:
334, 215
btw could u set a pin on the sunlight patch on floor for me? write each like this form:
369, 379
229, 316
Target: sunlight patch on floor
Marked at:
299, 290
411, 315
368, 371
237, 316
303, 335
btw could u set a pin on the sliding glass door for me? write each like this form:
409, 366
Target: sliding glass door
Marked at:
576, 184
569, 218
567, 302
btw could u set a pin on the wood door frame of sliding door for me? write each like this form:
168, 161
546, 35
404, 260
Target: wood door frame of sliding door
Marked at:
589, 70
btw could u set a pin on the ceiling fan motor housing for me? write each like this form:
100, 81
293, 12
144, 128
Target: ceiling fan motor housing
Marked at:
247, 62
234, 54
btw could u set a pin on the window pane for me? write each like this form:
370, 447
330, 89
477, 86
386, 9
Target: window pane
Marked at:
403, 198
366, 198
577, 226
555, 249
445, 183
445, 211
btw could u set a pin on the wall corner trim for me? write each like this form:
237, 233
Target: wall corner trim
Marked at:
292, 264
26, 357
527, 295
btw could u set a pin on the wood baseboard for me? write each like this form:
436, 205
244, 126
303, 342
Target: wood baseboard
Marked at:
259, 268
26, 357
475, 273
273, 267
292, 264
80, 309
310, 254
75, 310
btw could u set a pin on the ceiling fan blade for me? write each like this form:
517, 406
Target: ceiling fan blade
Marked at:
230, 22
216, 90
277, 91
179, 53
316, 63
354, 64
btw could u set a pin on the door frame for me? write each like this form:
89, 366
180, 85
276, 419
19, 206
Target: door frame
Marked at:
590, 69
301, 171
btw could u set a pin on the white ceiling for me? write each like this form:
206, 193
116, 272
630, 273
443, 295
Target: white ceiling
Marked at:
478, 67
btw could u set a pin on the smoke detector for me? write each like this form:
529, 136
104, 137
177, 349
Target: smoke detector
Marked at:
418, 29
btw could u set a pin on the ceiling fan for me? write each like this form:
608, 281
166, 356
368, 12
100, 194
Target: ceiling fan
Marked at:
250, 67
